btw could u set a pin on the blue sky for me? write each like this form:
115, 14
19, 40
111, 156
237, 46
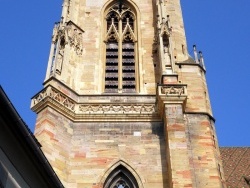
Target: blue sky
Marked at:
220, 29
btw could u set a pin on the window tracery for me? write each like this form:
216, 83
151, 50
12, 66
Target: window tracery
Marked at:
120, 50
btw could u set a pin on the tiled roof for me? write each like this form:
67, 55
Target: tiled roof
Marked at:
236, 164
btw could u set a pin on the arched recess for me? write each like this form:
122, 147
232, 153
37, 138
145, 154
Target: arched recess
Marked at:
120, 47
121, 175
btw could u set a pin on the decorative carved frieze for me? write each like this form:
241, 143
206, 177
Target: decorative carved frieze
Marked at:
171, 94
116, 108
52, 96
173, 90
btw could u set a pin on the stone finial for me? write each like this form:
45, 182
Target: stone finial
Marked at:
201, 60
195, 54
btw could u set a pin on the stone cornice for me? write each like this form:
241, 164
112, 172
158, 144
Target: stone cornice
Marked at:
202, 113
180, 64
171, 94
72, 23
110, 107
134, 108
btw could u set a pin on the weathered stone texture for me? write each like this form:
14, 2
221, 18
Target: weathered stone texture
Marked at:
83, 73
78, 150
163, 132
198, 97
54, 132
193, 150
204, 151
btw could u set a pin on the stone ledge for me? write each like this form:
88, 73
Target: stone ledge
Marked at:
172, 93
137, 110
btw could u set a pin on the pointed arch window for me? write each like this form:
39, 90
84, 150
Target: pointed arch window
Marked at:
120, 67
121, 177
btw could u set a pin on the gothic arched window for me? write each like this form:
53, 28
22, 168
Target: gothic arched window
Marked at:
120, 177
120, 42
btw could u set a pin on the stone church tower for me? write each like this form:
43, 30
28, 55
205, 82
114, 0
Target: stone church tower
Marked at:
124, 105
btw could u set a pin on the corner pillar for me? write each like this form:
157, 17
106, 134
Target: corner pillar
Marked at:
172, 99
177, 146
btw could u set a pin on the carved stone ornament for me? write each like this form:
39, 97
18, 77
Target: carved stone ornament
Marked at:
64, 33
75, 37
56, 97
114, 108
165, 28
175, 90
59, 39
71, 33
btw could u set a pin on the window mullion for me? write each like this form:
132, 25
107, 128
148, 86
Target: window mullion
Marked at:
120, 57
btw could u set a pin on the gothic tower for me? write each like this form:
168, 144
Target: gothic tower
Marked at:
124, 105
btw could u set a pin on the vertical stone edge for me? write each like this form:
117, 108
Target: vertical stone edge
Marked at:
177, 147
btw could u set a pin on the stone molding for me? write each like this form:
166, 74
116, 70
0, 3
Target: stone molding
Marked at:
94, 111
174, 91
171, 94
117, 108
190, 63
105, 107
121, 162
